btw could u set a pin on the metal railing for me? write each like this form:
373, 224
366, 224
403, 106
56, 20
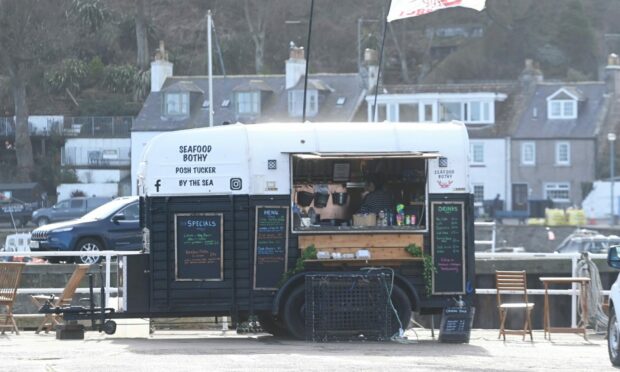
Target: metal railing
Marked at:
74, 126
490, 242
573, 257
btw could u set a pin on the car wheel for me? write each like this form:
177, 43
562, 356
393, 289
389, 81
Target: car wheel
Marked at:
613, 338
89, 245
43, 221
295, 313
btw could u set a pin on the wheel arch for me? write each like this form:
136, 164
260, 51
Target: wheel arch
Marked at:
90, 236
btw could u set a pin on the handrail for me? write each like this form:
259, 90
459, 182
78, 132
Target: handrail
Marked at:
107, 254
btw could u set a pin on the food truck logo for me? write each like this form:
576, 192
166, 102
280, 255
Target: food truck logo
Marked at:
236, 184
444, 177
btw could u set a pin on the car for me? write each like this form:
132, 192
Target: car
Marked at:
613, 327
112, 226
583, 240
67, 209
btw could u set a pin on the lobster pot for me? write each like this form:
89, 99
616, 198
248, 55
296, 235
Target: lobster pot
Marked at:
347, 306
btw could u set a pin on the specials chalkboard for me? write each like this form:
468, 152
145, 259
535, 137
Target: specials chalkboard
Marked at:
448, 247
199, 247
270, 246
456, 324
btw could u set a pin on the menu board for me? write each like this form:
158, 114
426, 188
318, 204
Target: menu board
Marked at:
456, 324
199, 248
448, 247
270, 246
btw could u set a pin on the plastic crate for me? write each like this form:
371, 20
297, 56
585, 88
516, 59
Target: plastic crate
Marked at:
348, 306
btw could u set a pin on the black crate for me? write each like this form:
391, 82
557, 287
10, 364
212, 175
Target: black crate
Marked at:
348, 306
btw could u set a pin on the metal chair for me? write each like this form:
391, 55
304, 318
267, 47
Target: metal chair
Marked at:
513, 283
10, 274
64, 299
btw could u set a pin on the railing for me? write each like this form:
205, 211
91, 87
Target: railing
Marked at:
490, 242
75, 126
573, 292
108, 263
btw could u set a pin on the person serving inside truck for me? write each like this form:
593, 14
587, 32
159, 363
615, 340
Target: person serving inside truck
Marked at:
376, 198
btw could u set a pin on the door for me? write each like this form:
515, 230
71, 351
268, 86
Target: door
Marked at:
519, 197
67, 210
124, 229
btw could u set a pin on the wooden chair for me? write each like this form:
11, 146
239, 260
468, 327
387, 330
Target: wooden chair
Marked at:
10, 274
513, 283
64, 299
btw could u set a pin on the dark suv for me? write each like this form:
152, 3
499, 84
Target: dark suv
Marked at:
112, 226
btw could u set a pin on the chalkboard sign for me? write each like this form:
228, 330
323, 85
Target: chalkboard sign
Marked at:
270, 246
199, 248
456, 324
448, 247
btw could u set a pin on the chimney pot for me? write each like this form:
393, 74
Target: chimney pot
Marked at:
613, 60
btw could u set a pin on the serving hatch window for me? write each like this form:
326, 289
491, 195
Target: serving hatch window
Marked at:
359, 192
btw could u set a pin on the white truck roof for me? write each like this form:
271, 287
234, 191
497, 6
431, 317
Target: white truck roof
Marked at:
254, 159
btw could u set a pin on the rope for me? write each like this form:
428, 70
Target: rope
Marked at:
596, 315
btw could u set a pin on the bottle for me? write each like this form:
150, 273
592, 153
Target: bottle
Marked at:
407, 220
381, 218
413, 219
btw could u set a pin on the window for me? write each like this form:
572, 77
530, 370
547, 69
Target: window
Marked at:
131, 212
478, 194
478, 112
296, 99
528, 153
477, 153
76, 203
558, 192
562, 109
562, 153
247, 103
176, 104
449, 111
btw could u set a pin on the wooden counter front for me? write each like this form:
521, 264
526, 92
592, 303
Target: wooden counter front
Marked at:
381, 246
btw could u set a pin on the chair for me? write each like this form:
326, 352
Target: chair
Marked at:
513, 283
64, 299
10, 274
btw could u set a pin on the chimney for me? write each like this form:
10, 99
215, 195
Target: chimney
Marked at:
531, 74
295, 66
371, 63
160, 68
612, 74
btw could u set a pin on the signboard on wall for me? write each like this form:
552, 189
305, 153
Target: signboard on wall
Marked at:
199, 246
448, 246
270, 246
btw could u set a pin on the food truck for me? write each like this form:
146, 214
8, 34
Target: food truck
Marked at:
236, 217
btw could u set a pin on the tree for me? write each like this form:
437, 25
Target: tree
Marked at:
29, 38
142, 40
255, 19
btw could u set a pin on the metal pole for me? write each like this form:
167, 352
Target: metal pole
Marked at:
612, 173
374, 105
303, 117
210, 58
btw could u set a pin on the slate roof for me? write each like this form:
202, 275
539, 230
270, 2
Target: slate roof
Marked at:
592, 108
274, 100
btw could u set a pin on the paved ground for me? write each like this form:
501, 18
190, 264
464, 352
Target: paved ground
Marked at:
172, 351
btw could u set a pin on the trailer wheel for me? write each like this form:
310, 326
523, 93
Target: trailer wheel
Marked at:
295, 313
109, 327
401, 302
271, 325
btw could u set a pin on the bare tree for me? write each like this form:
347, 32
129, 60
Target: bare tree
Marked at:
142, 40
255, 18
402, 57
27, 32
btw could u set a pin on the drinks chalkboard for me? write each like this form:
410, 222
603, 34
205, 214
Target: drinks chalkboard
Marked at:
448, 247
198, 246
456, 324
270, 246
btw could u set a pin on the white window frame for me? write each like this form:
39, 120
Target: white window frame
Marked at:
247, 103
524, 152
559, 159
472, 150
561, 106
486, 110
296, 99
180, 99
478, 201
550, 188
440, 116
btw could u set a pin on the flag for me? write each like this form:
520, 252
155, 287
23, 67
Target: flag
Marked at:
413, 8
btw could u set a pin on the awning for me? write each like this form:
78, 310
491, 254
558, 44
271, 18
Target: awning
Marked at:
368, 155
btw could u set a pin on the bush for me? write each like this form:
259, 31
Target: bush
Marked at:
69, 75
120, 79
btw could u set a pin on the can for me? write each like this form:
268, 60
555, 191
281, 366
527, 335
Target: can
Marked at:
407, 220
413, 219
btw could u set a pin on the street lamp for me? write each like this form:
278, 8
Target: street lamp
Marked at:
612, 157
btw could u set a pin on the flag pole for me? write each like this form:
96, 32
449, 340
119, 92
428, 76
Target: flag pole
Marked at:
303, 117
385, 22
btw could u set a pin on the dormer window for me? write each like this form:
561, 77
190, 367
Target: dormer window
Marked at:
296, 102
176, 104
247, 103
562, 104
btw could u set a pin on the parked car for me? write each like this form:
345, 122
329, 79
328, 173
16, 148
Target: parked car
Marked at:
583, 240
67, 209
112, 226
613, 327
